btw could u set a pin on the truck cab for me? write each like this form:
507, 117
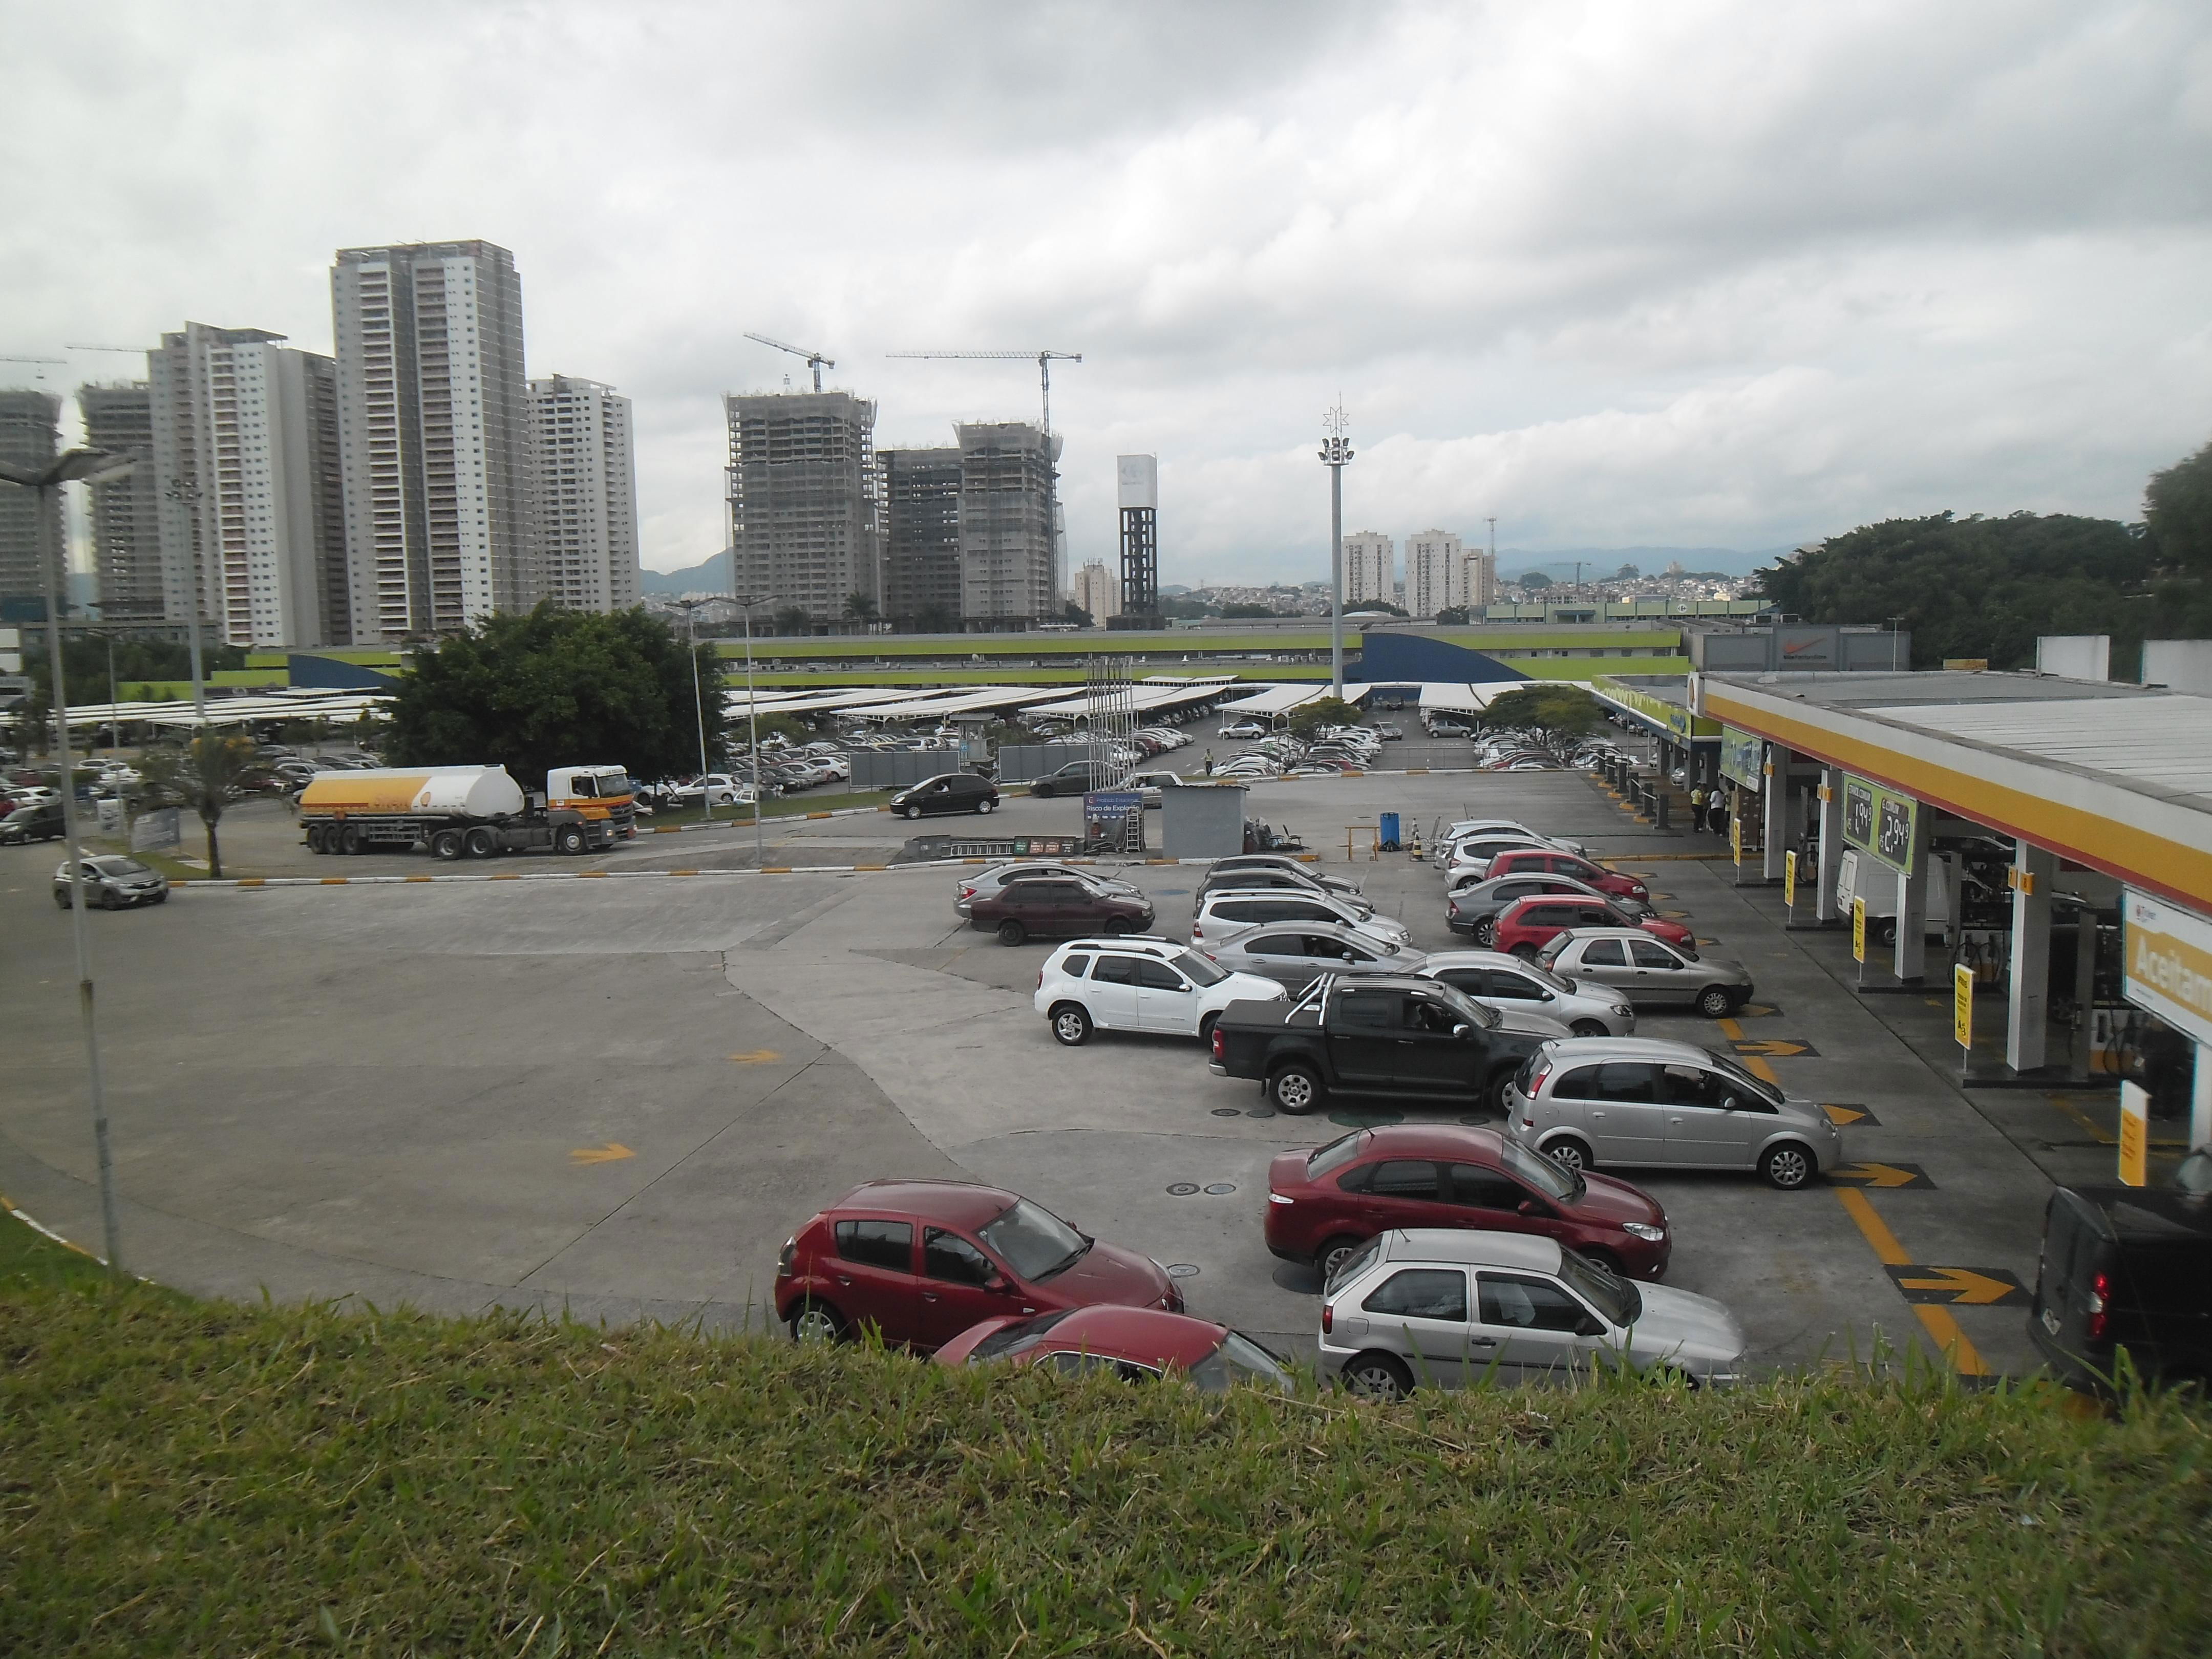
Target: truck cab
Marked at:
596, 795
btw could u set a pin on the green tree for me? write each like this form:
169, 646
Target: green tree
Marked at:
1535, 581
559, 688
936, 617
210, 772
1557, 714
1452, 615
2177, 511
792, 619
1250, 610
860, 608
1075, 613
1310, 718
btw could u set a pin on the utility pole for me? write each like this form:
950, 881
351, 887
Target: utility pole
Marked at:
691, 608
187, 494
1334, 453
747, 602
93, 466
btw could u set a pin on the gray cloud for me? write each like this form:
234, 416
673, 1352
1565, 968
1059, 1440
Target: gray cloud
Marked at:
1725, 273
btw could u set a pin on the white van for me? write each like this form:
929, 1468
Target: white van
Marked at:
1858, 877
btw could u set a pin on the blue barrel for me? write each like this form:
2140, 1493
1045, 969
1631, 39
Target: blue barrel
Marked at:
1389, 827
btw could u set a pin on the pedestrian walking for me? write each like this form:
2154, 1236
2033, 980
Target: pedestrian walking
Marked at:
1697, 807
1209, 763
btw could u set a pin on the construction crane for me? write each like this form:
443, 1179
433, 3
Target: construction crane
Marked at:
60, 363
127, 351
815, 359
1043, 359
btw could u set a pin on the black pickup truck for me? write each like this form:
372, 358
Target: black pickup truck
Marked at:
1404, 1038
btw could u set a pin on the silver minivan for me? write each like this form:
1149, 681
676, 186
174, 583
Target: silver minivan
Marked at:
1508, 984
1646, 1103
1648, 971
1228, 911
1448, 1307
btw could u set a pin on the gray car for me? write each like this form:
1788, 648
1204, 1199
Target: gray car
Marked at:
1245, 878
1651, 1102
1286, 862
984, 884
1507, 983
1649, 972
1296, 952
1449, 1306
114, 883
1222, 913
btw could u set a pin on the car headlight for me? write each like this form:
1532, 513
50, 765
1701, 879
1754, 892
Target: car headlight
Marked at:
1643, 1230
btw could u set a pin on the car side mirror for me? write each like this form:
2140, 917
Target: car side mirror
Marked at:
1529, 1206
996, 1282
1589, 1327
1462, 1030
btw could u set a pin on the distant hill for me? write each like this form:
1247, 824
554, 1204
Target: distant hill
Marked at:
712, 577
1597, 562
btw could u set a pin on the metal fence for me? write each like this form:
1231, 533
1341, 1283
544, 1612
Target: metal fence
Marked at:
901, 768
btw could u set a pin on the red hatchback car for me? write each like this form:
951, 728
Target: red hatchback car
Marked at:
1527, 925
1138, 1344
1543, 861
1323, 1205
923, 1260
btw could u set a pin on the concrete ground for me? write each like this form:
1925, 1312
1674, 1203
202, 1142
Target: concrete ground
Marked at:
621, 1097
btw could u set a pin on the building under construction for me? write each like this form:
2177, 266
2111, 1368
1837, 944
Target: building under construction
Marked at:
126, 512
802, 487
1009, 552
921, 496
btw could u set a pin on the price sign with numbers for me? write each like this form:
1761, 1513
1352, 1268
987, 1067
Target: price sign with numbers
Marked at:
1881, 821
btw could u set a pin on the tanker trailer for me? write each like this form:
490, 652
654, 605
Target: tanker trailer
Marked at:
474, 811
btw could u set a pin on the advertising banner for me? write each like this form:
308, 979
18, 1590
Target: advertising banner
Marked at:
2169, 963
1881, 822
1743, 759
155, 832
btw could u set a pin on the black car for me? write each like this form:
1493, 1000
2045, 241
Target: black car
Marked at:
1075, 778
949, 792
43, 821
2125, 1269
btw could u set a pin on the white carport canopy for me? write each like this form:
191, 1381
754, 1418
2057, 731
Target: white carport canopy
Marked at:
937, 704
1142, 699
1453, 698
236, 711
1282, 699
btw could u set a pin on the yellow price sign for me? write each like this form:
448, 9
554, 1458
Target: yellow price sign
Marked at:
1789, 880
2134, 1134
1858, 930
1962, 1006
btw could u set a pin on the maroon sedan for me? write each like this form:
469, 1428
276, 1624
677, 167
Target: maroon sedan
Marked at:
1138, 1344
1325, 1204
1527, 925
923, 1260
1544, 861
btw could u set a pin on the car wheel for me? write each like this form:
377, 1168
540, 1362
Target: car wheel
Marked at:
1493, 1092
1071, 1024
1295, 1090
817, 1321
570, 840
446, 845
1377, 1377
1788, 1167
1606, 1260
1205, 1027
110, 900
1041, 791
1886, 933
1714, 1002
1011, 931
1486, 932
913, 811
61, 901
1589, 1027
1526, 952
1569, 1153
1117, 927
984, 806
1335, 1254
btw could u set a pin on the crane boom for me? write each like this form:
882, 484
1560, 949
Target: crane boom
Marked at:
1044, 361
815, 359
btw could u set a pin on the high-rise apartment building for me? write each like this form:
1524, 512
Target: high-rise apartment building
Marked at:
1008, 543
126, 519
1478, 582
244, 440
433, 431
1098, 591
30, 433
1436, 572
584, 494
802, 488
1371, 568
920, 506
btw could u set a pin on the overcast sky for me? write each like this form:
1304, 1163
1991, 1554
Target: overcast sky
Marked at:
1717, 274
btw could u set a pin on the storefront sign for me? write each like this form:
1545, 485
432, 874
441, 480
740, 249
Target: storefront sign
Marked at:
2135, 1135
1881, 821
2169, 963
1672, 716
1743, 758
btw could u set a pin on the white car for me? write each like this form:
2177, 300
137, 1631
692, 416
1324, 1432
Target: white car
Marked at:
1468, 829
1474, 853
1226, 912
1139, 983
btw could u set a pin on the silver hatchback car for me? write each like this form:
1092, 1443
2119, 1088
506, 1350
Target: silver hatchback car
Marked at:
1449, 1306
1507, 984
1644, 1102
1648, 971
114, 883
1296, 952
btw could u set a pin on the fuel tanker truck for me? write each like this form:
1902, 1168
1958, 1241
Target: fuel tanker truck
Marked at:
466, 811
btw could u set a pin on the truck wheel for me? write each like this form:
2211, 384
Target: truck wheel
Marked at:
1295, 1090
349, 839
482, 842
447, 845
315, 838
569, 839
1011, 931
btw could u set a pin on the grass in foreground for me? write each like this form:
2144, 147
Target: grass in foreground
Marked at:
218, 1479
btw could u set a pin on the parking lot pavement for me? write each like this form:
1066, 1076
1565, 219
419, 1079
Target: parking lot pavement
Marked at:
624, 1095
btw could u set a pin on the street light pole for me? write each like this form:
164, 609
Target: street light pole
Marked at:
1334, 453
746, 602
94, 466
187, 494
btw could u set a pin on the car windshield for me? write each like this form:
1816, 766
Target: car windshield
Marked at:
1018, 1338
1240, 1359
119, 866
1335, 1156
1616, 1299
1539, 1172
1201, 972
1035, 1243
1475, 1013
1550, 953
1737, 1073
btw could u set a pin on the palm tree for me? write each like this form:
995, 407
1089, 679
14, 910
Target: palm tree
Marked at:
210, 772
860, 608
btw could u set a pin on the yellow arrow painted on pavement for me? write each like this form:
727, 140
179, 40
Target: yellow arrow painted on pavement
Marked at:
1972, 1289
1771, 1047
1875, 1175
756, 1056
613, 1153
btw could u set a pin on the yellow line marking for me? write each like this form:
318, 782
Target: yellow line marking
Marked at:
327, 881
1756, 1064
250, 881
756, 1057
775, 869
582, 874
1950, 1341
2085, 1120
613, 1153
510, 875
418, 878
871, 867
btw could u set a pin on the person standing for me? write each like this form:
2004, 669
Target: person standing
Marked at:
1209, 763
1697, 807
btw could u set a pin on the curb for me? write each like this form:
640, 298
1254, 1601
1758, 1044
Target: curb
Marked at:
45, 1231
747, 823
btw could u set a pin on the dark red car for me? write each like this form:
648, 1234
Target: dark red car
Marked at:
1138, 1344
1527, 925
1323, 1205
923, 1260
1542, 860
1058, 907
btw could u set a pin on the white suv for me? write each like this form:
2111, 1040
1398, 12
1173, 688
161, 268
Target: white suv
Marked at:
1130, 983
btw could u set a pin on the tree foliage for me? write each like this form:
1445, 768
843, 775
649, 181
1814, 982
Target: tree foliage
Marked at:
560, 688
1556, 713
2177, 511
1988, 587
1310, 718
209, 772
